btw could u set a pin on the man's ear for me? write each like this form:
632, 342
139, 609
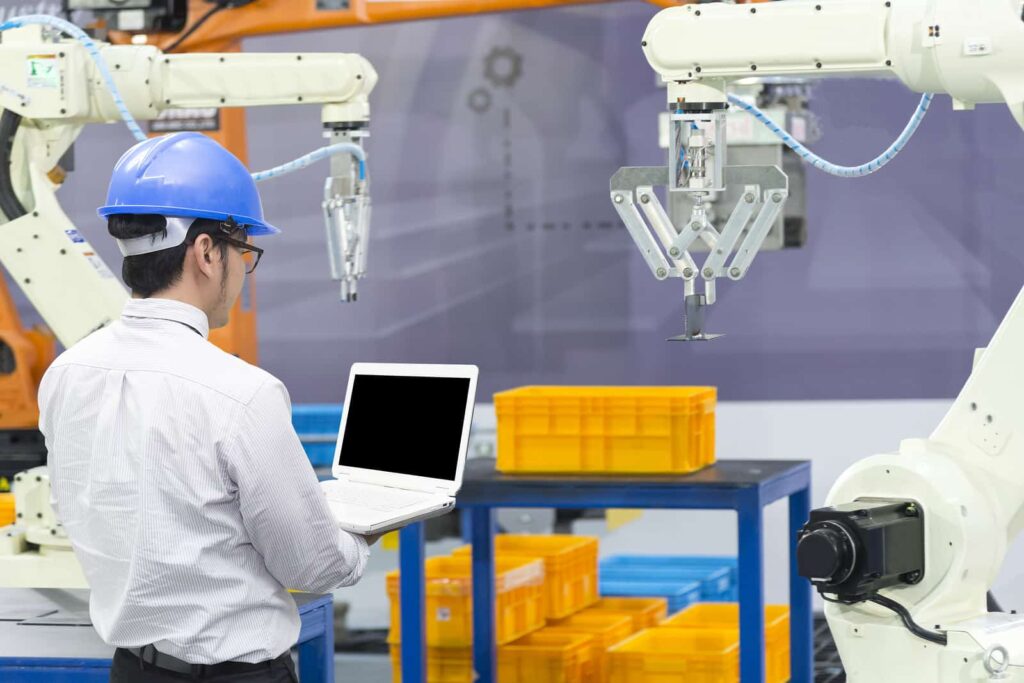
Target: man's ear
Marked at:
206, 255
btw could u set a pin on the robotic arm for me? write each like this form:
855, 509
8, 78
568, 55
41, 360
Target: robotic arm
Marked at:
910, 542
52, 87
970, 51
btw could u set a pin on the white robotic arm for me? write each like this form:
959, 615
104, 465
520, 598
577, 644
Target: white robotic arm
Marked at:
910, 542
971, 51
52, 87
49, 89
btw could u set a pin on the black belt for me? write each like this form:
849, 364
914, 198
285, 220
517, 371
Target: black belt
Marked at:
150, 656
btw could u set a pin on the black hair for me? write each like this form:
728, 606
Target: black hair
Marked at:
147, 274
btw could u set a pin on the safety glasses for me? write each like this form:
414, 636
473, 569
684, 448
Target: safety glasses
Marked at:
230, 227
245, 247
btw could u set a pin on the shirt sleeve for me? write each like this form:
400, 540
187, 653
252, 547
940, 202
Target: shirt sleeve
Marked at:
282, 505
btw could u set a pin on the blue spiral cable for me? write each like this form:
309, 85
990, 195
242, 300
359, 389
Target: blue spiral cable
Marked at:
834, 169
93, 49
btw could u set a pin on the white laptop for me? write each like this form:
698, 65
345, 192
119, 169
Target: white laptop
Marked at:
402, 445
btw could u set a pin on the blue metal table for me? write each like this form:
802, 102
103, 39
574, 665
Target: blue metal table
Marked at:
745, 486
45, 637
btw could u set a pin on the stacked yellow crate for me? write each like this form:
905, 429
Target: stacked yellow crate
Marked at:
569, 571
700, 645
644, 612
519, 610
608, 630
570, 567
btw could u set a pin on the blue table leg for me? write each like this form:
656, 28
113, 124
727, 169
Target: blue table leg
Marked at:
750, 516
316, 656
466, 524
801, 622
484, 648
411, 595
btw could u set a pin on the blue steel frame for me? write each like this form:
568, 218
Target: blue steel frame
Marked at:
748, 499
315, 645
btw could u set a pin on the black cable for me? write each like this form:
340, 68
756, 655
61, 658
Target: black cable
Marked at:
220, 5
10, 205
888, 603
908, 621
194, 27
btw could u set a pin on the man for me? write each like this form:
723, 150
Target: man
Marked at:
174, 466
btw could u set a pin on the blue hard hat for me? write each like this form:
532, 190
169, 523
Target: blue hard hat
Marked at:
189, 175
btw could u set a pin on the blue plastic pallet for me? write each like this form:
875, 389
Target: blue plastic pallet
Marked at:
317, 418
680, 595
646, 563
317, 425
714, 582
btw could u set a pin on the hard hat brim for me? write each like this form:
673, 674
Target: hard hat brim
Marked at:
253, 227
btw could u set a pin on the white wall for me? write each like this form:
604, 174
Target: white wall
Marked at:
831, 434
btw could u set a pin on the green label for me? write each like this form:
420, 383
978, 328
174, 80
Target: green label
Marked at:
42, 71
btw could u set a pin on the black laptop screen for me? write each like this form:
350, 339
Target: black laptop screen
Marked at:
405, 425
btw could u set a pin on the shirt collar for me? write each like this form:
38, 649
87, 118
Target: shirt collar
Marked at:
169, 309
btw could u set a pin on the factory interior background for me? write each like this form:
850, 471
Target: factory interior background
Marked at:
494, 242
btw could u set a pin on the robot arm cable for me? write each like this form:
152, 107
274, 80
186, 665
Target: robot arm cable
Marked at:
901, 611
908, 621
94, 52
828, 167
10, 205
101, 64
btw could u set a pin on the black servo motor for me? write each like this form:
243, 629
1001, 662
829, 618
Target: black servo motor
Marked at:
854, 549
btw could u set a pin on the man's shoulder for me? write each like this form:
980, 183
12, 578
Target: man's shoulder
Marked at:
231, 375
191, 359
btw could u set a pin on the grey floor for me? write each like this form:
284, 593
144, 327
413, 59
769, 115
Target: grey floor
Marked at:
357, 668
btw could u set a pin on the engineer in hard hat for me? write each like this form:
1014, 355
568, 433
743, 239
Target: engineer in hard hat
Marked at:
174, 465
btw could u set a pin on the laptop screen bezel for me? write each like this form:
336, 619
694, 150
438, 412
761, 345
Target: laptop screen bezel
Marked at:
408, 481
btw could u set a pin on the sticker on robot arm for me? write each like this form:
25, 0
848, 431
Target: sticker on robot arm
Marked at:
86, 250
42, 71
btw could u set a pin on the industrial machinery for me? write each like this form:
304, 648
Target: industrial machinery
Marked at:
55, 79
911, 541
705, 51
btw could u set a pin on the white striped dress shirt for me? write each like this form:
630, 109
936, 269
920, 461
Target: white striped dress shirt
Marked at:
185, 491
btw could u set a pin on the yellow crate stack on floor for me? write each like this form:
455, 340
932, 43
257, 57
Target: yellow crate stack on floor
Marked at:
570, 567
666, 430
519, 595
608, 631
520, 600
444, 664
548, 657
645, 612
720, 616
700, 645
677, 655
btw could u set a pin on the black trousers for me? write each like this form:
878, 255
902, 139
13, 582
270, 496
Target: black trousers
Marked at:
127, 669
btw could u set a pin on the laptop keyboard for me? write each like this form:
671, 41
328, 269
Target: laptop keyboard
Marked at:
380, 498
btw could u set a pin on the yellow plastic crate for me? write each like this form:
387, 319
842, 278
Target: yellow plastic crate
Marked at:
608, 630
444, 665
645, 612
677, 655
726, 615
545, 657
519, 593
658, 430
6, 509
570, 567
